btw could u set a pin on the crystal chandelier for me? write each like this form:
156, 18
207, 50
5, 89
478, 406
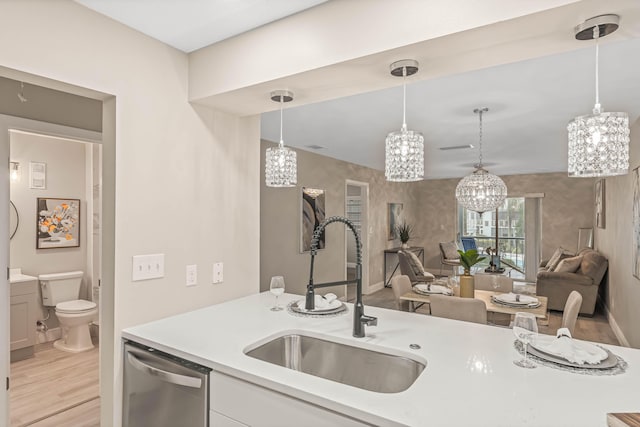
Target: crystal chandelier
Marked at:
481, 191
404, 150
280, 167
598, 142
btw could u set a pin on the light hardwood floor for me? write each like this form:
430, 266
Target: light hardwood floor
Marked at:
594, 328
55, 388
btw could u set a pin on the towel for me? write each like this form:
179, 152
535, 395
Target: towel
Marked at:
433, 289
572, 350
326, 302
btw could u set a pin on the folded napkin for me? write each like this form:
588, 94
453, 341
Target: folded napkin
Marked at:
433, 289
574, 351
512, 298
326, 302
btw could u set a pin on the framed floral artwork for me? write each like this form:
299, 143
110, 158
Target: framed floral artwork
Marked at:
58, 223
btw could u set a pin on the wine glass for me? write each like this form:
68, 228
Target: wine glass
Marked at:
525, 329
277, 289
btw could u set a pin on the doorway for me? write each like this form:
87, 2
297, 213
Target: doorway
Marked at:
57, 188
49, 118
357, 211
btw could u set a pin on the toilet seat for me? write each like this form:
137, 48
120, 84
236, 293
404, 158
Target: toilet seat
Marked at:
75, 307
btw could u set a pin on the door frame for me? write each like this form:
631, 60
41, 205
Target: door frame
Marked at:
364, 230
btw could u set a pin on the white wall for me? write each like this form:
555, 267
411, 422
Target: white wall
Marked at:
66, 172
186, 179
615, 241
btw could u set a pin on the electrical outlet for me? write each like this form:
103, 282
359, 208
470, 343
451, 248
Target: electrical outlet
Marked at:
147, 267
192, 275
217, 272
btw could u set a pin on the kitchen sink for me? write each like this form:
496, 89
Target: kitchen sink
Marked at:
368, 369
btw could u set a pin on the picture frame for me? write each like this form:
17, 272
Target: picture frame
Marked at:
600, 203
395, 217
312, 213
38, 175
636, 223
57, 223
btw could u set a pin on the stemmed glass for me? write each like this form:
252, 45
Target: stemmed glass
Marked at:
525, 329
277, 289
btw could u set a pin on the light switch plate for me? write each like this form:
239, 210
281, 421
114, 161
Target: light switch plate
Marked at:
192, 275
147, 267
218, 272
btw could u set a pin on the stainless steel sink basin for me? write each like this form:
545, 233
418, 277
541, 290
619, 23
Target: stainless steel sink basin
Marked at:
358, 367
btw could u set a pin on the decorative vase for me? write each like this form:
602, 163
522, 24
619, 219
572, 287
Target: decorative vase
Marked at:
405, 246
467, 286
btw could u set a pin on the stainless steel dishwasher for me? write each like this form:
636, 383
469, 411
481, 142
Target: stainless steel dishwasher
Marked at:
161, 390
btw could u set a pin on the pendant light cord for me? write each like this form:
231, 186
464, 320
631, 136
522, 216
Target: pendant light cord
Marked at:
480, 142
596, 36
404, 98
281, 104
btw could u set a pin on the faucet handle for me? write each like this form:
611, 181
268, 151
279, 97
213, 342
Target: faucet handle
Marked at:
369, 320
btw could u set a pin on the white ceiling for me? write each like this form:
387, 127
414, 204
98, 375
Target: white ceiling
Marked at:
530, 102
189, 25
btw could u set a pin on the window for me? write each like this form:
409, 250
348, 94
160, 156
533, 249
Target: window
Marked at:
510, 231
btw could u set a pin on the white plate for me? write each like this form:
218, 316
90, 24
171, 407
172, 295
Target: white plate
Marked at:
517, 305
510, 298
331, 307
607, 363
433, 289
543, 340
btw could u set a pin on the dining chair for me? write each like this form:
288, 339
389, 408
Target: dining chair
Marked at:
400, 286
466, 309
449, 255
571, 310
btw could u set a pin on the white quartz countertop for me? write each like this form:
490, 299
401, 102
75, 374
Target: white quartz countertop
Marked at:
469, 380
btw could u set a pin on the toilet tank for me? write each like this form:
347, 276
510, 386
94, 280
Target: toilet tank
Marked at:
60, 287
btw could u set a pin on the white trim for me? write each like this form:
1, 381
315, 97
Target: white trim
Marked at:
374, 288
615, 328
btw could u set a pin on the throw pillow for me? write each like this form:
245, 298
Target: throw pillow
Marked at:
569, 265
450, 250
415, 263
558, 256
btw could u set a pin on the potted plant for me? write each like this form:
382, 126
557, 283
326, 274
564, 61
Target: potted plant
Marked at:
468, 259
404, 232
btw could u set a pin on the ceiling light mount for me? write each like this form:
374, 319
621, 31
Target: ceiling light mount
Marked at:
606, 24
404, 149
281, 167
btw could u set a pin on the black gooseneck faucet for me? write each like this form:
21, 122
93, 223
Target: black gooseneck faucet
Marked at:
359, 318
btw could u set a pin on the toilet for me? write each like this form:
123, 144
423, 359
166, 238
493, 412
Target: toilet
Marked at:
61, 290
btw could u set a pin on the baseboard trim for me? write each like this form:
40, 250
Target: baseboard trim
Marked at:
50, 335
375, 288
616, 329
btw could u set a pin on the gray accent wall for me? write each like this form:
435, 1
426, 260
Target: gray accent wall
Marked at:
615, 241
430, 206
280, 221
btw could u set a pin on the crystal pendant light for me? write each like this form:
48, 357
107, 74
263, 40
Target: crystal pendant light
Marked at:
280, 166
404, 150
481, 191
598, 142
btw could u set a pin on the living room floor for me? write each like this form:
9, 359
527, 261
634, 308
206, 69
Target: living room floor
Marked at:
594, 328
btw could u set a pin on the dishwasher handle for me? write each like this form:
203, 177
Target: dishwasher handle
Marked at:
166, 376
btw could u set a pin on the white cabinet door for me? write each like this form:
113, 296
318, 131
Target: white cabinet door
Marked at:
254, 405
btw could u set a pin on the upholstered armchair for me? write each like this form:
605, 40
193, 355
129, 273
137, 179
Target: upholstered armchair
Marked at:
411, 267
557, 284
449, 255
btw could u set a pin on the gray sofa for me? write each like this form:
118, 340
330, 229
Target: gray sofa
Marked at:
586, 280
